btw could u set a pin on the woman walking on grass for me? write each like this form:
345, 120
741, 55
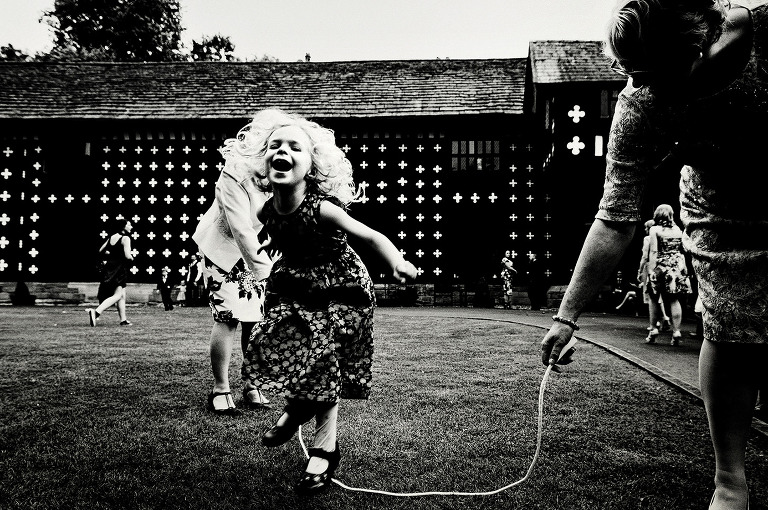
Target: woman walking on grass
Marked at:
115, 253
698, 88
667, 271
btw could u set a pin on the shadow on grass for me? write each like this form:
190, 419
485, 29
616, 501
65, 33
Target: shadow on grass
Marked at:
113, 417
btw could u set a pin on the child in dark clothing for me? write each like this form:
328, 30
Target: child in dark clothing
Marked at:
165, 286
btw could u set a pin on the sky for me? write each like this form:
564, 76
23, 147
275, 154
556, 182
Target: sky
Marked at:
341, 30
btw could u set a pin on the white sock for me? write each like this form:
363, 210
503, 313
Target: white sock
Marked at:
317, 465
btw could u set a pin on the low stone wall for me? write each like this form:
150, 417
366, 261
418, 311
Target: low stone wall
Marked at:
387, 294
459, 295
39, 293
136, 293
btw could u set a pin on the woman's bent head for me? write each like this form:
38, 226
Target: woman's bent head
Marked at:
657, 41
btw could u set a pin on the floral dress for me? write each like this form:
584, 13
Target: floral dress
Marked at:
671, 274
235, 296
507, 276
720, 142
316, 339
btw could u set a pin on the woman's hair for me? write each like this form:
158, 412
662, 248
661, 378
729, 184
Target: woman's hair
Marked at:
119, 224
664, 215
663, 36
331, 172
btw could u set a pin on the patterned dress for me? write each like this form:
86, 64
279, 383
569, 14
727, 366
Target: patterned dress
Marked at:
233, 296
507, 276
316, 340
671, 275
720, 141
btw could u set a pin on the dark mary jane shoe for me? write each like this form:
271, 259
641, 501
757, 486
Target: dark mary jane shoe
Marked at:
280, 434
312, 484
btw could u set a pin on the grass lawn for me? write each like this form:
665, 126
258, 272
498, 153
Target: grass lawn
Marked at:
114, 417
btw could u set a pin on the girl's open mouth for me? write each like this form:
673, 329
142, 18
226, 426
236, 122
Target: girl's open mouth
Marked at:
281, 165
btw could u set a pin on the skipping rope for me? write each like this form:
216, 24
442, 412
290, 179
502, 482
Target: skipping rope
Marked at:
542, 387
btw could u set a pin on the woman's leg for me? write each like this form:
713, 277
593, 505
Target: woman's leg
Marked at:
729, 382
121, 305
675, 312
111, 300
654, 314
663, 317
222, 335
629, 297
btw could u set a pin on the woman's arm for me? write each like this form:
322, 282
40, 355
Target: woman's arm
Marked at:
235, 202
642, 271
653, 249
634, 149
335, 216
126, 242
603, 248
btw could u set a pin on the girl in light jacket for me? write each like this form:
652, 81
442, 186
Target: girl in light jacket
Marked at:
234, 271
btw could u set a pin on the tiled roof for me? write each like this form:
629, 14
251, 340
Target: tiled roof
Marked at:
570, 61
236, 90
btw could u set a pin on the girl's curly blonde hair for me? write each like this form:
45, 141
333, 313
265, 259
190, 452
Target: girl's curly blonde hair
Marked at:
331, 172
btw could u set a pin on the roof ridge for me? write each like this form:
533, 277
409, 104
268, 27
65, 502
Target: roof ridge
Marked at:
240, 63
220, 89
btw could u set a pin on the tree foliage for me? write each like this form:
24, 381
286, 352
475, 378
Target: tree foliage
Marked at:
216, 48
124, 31
10, 54
115, 30
264, 58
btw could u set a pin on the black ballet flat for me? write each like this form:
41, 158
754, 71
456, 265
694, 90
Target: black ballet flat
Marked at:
313, 484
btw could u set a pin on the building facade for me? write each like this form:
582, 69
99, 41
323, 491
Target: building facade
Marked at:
460, 160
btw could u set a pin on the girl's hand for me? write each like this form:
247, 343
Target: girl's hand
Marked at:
267, 246
404, 270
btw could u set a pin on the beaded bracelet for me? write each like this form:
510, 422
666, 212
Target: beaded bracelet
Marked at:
567, 322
